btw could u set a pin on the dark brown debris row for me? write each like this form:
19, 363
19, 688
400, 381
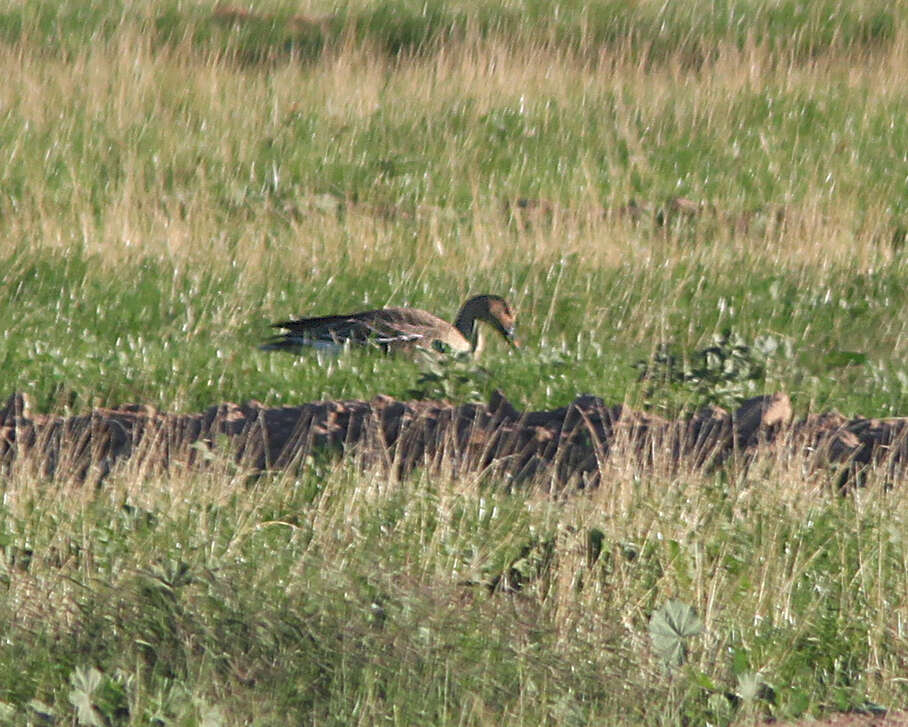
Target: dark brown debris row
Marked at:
562, 447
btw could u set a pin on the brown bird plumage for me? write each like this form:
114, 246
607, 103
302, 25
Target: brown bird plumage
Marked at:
394, 329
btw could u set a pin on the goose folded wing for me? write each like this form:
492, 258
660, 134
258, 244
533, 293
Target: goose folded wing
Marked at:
395, 326
325, 328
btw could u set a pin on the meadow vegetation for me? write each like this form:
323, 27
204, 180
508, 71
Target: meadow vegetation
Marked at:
177, 175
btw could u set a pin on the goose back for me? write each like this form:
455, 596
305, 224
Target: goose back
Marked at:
400, 328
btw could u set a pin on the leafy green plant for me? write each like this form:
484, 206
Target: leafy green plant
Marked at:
97, 699
671, 627
456, 378
754, 691
531, 565
725, 373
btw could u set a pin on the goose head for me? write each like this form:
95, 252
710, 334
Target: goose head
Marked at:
492, 310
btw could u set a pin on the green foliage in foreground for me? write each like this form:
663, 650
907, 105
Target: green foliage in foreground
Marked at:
334, 597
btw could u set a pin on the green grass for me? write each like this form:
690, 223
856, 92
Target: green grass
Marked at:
173, 181
652, 31
183, 341
336, 597
828, 150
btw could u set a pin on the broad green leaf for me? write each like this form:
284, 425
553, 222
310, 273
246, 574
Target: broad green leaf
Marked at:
85, 683
740, 661
85, 709
749, 684
670, 627
86, 680
797, 702
834, 359
703, 680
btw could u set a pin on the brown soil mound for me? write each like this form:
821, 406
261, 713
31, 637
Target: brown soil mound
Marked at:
561, 447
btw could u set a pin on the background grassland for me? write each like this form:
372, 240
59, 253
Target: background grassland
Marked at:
181, 190
175, 176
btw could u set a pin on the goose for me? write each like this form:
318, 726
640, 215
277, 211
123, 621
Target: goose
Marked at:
401, 329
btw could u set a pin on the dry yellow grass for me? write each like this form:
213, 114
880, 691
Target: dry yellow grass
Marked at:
161, 108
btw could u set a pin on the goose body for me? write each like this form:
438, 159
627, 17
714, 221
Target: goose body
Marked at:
401, 329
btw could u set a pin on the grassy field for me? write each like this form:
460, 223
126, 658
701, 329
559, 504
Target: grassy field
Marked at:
177, 175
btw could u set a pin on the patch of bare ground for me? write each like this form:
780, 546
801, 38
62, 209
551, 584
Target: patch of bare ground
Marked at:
562, 448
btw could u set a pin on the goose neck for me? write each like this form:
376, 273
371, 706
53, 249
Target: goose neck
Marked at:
466, 324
